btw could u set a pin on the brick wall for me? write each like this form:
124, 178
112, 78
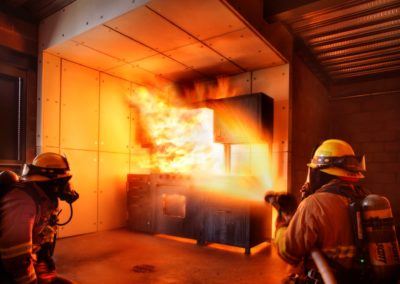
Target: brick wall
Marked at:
310, 119
372, 125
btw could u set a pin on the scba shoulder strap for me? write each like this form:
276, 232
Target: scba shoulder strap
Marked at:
356, 195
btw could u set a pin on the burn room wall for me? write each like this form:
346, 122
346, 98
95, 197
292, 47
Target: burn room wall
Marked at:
310, 122
85, 114
370, 121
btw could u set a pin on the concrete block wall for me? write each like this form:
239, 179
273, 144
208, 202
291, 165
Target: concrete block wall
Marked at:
310, 119
371, 124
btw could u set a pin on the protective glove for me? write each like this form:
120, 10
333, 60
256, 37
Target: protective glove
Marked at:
285, 204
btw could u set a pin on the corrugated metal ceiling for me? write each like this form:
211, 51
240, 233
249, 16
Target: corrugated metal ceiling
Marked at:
349, 40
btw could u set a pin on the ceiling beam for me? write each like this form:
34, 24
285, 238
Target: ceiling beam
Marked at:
287, 10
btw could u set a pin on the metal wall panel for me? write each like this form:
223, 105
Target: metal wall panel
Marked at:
50, 100
274, 81
241, 47
139, 158
135, 74
79, 107
45, 149
113, 170
84, 55
200, 57
114, 114
241, 84
81, 16
203, 19
160, 65
84, 178
115, 44
147, 27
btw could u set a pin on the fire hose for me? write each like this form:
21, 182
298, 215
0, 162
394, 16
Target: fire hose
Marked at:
323, 267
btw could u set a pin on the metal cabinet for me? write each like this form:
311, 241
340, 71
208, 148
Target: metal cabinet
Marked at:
243, 119
237, 223
178, 211
140, 203
171, 204
226, 227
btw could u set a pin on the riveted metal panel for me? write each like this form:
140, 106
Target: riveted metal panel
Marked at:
246, 49
43, 149
110, 42
51, 82
139, 160
79, 107
84, 55
147, 27
161, 65
114, 114
241, 84
113, 169
203, 59
203, 19
275, 82
81, 16
137, 75
84, 179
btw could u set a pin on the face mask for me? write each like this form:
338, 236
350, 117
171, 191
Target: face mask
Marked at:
62, 189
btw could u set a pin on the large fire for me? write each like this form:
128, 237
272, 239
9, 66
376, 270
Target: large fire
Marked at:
181, 140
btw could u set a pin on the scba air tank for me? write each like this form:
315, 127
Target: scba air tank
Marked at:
381, 237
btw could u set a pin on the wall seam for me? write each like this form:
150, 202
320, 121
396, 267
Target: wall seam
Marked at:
98, 153
59, 107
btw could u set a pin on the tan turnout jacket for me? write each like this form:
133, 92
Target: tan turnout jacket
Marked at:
321, 221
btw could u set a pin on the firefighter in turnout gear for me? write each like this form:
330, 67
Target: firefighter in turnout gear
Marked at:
323, 220
28, 223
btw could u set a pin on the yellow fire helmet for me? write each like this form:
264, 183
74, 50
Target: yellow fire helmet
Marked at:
336, 157
45, 167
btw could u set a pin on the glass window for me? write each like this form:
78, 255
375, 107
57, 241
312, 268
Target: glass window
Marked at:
10, 119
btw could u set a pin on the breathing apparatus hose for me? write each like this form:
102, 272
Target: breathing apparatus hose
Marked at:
70, 216
323, 267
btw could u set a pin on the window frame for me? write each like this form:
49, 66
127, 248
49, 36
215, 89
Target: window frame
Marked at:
10, 71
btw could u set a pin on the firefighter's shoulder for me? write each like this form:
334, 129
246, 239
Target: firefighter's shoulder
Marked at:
17, 198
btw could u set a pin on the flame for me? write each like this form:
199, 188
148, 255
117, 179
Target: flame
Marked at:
182, 141
181, 138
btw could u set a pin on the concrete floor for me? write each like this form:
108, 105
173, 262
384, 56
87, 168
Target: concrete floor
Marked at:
122, 256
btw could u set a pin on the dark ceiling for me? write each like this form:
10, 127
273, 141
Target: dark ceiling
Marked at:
32, 10
344, 40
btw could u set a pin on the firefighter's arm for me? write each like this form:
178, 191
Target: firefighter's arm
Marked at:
298, 238
18, 216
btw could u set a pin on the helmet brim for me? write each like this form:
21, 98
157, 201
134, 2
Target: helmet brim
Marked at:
339, 172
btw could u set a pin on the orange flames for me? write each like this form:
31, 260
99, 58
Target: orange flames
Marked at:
181, 138
182, 141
